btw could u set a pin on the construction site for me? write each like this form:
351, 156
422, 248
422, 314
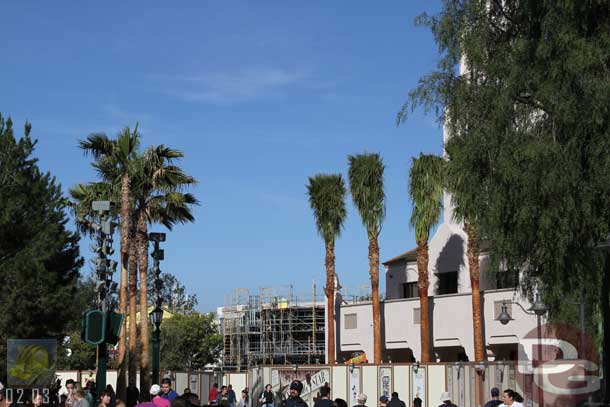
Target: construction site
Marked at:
271, 327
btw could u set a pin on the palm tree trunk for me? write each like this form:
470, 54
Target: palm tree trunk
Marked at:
133, 310
374, 272
473, 265
121, 385
330, 300
142, 242
423, 283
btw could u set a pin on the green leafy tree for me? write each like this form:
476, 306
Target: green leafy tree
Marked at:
366, 185
189, 341
39, 257
174, 295
529, 124
426, 190
327, 200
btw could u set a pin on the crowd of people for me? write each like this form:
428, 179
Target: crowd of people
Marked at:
165, 396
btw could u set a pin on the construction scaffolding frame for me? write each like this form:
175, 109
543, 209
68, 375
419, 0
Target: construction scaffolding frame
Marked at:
274, 326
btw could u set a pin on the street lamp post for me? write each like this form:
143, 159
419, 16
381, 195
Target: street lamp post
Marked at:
156, 315
538, 309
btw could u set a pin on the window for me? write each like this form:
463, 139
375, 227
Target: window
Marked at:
409, 290
416, 316
351, 321
447, 283
507, 279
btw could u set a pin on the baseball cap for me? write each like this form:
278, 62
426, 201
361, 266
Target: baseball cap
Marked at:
155, 389
383, 399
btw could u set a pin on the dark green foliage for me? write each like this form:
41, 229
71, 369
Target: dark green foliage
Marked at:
189, 341
327, 199
39, 257
175, 298
427, 178
529, 157
366, 185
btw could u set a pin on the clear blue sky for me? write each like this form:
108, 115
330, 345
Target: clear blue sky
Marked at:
259, 96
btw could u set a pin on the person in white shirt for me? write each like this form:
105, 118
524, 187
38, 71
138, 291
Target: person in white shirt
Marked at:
511, 398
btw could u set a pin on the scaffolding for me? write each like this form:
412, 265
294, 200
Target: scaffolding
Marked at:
274, 326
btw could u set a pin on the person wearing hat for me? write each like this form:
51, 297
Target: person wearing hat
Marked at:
383, 401
446, 400
495, 398
294, 399
157, 400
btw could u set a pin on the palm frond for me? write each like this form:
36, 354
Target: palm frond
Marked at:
327, 200
427, 180
366, 185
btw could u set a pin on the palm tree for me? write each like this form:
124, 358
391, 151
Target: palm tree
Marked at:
114, 162
327, 199
426, 190
157, 199
366, 185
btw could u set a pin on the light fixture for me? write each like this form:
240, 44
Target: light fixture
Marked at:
156, 317
295, 368
504, 316
416, 367
539, 308
351, 368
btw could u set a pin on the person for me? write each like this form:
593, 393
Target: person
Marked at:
133, 395
192, 399
3, 402
223, 397
266, 398
294, 398
417, 402
395, 401
37, 400
495, 398
157, 399
324, 399
232, 395
340, 403
361, 399
120, 403
111, 392
446, 400
90, 392
70, 387
511, 398
383, 401
80, 397
213, 394
105, 399
244, 401
168, 392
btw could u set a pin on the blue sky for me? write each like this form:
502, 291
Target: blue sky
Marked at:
259, 96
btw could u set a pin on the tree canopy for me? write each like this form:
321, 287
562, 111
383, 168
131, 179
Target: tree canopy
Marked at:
528, 114
39, 256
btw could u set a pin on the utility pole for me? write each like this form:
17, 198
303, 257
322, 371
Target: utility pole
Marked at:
156, 316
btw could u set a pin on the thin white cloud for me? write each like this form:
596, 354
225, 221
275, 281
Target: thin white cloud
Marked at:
233, 87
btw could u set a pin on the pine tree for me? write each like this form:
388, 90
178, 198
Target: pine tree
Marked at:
39, 257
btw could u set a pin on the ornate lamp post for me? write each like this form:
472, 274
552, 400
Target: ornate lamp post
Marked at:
156, 315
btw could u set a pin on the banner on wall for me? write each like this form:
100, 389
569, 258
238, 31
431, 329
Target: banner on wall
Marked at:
312, 379
354, 386
419, 384
385, 374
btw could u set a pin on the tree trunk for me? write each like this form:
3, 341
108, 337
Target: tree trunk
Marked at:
473, 265
374, 272
423, 283
133, 328
121, 385
605, 311
329, 262
142, 242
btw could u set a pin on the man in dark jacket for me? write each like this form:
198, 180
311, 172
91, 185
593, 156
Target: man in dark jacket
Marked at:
395, 401
495, 398
295, 400
324, 400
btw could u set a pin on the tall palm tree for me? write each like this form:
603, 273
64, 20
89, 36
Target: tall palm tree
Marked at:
366, 185
156, 187
426, 190
114, 159
327, 199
